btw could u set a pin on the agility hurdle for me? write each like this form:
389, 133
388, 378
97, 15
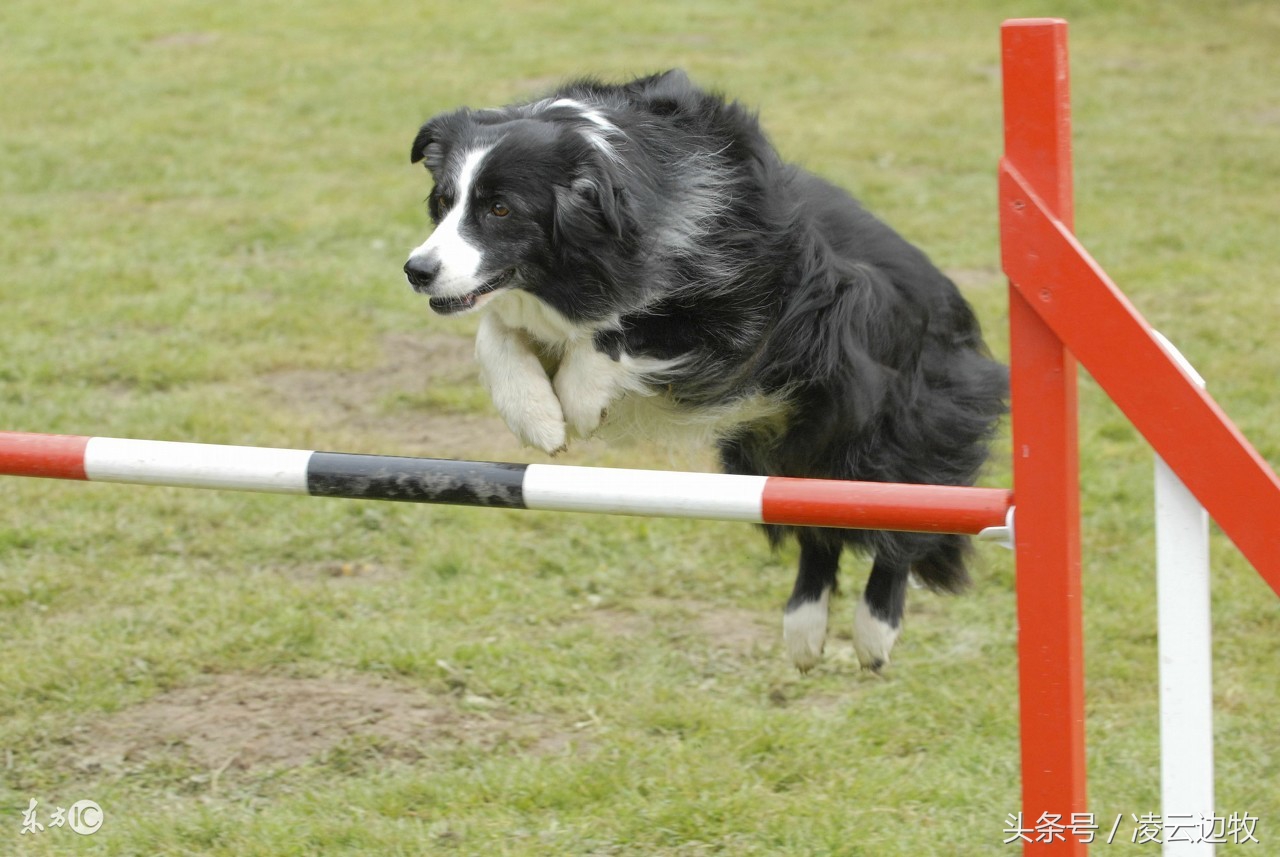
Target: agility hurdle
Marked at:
1064, 308
543, 487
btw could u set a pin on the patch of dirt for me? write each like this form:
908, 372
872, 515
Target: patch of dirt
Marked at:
620, 623
355, 402
728, 629
234, 724
735, 630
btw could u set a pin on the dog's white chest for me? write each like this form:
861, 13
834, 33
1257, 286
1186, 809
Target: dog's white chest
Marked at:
521, 311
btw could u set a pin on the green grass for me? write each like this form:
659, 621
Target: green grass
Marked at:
204, 212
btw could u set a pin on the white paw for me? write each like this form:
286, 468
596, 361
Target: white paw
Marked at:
804, 630
583, 417
585, 385
519, 386
873, 638
538, 422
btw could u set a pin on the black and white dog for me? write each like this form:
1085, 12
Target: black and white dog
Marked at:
645, 259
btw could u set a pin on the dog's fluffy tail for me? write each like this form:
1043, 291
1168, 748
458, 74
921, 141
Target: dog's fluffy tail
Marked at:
943, 568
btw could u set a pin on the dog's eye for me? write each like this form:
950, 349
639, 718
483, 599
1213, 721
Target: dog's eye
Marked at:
499, 210
445, 202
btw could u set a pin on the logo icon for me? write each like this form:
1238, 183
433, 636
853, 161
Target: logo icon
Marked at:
85, 817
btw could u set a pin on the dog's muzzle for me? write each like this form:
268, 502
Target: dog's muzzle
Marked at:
422, 271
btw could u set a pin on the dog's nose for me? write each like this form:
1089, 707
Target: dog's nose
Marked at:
422, 271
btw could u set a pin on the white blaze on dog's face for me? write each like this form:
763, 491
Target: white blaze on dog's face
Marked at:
459, 260
450, 266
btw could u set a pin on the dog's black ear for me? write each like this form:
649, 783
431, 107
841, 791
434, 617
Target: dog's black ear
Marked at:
667, 94
669, 84
434, 138
427, 148
593, 205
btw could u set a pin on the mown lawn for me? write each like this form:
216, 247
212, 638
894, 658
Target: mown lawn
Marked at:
203, 213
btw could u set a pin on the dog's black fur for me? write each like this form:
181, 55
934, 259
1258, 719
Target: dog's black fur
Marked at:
656, 219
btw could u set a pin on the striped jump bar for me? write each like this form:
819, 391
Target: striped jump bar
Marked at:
563, 488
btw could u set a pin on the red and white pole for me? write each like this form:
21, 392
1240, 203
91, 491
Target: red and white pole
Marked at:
550, 487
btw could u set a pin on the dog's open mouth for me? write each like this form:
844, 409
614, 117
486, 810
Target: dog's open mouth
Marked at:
462, 303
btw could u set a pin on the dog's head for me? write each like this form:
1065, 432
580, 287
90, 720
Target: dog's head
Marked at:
524, 198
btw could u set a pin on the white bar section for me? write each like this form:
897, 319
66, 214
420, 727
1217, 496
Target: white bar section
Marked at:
1185, 651
197, 465
1186, 668
657, 493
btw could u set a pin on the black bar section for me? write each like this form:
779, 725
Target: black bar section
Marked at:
416, 480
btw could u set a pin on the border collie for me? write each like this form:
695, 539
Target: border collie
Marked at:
644, 257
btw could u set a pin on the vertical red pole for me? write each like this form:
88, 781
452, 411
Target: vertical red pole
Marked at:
1045, 459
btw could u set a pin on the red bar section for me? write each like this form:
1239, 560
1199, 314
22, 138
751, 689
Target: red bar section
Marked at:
53, 456
1076, 300
884, 506
1037, 139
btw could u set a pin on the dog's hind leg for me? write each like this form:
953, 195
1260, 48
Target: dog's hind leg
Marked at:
877, 620
804, 623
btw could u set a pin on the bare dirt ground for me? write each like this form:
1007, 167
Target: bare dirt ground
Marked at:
356, 402
726, 630
230, 725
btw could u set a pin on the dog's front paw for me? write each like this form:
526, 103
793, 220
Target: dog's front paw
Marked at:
586, 386
538, 423
582, 417
519, 386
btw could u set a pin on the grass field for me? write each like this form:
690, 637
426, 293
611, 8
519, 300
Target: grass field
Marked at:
203, 213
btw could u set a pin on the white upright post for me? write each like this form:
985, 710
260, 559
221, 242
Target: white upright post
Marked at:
1186, 668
